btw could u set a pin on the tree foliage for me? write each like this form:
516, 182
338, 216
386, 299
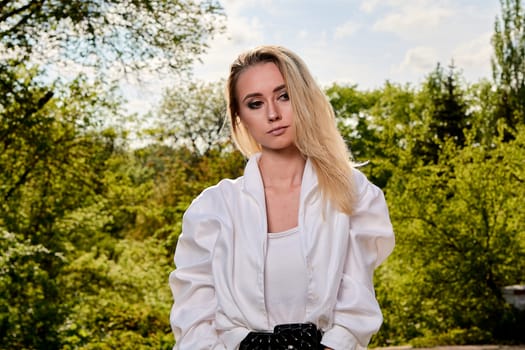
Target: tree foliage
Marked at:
88, 224
464, 217
74, 273
132, 34
118, 299
508, 62
193, 116
453, 179
444, 114
52, 153
27, 320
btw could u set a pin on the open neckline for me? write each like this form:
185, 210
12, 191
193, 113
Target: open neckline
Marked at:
283, 233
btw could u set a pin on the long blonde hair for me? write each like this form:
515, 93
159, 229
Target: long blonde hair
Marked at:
317, 136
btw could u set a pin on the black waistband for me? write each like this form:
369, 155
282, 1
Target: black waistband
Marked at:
292, 336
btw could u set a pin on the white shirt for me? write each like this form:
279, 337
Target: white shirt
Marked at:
218, 285
285, 282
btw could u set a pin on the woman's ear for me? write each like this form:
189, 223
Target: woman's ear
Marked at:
238, 120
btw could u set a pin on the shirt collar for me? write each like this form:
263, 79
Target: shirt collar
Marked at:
253, 183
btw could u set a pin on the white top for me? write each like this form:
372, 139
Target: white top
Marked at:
285, 282
218, 285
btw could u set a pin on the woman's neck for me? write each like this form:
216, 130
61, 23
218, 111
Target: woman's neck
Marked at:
281, 169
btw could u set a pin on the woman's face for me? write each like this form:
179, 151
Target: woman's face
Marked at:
264, 106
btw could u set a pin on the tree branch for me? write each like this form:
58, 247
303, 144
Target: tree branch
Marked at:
32, 6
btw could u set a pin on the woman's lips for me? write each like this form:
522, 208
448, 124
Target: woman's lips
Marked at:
278, 131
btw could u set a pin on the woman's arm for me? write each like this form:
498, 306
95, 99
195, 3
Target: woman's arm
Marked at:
192, 316
357, 315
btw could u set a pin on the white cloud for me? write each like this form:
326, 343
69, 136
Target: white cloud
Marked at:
235, 7
421, 59
369, 6
242, 33
474, 56
303, 34
414, 20
345, 30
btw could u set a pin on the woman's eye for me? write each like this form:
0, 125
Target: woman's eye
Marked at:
284, 96
254, 104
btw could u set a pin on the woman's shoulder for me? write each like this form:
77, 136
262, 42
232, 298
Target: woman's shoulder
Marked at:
217, 196
359, 178
224, 187
363, 185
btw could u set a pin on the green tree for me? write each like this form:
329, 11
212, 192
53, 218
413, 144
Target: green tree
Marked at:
460, 234
52, 152
445, 115
180, 176
119, 298
20, 100
395, 119
508, 62
72, 274
25, 287
483, 102
356, 125
193, 116
129, 34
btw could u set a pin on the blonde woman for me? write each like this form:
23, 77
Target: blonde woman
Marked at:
282, 257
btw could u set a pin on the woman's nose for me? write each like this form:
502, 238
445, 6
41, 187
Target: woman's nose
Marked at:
273, 114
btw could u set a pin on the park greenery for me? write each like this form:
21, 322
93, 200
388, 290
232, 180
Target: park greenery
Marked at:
89, 221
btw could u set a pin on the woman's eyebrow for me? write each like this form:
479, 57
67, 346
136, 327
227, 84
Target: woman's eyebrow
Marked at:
280, 87
257, 94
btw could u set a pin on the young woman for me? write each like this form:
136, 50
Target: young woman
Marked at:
282, 257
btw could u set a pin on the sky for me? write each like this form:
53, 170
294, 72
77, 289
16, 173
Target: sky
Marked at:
362, 42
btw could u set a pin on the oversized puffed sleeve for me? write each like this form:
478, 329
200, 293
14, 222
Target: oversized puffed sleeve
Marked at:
192, 316
357, 315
